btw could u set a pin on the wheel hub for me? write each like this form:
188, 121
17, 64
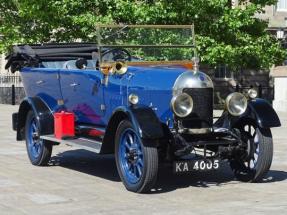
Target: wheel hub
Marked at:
133, 155
35, 136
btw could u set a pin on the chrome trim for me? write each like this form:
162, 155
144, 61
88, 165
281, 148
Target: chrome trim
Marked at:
103, 107
190, 79
133, 99
195, 61
40, 82
91, 127
195, 130
83, 143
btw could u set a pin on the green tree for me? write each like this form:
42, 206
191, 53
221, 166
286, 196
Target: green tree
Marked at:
225, 35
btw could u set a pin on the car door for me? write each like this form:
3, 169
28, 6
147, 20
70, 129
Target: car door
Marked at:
115, 94
83, 94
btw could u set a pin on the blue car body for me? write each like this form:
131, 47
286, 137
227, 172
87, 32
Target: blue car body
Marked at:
145, 113
153, 85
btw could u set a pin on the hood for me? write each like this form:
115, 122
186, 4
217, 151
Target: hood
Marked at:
154, 77
154, 87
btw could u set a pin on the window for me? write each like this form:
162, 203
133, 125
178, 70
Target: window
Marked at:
281, 5
222, 72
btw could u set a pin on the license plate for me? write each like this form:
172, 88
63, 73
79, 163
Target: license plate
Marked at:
195, 165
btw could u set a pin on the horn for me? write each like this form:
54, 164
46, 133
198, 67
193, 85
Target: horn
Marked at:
105, 68
120, 67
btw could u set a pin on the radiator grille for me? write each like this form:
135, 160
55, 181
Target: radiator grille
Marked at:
202, 114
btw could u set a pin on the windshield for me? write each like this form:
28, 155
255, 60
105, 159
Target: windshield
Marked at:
145, 43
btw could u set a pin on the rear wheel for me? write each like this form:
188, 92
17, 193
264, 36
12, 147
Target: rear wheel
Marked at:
255, 162
137, 164
39, 151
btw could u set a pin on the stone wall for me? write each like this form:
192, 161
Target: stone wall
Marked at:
246, 79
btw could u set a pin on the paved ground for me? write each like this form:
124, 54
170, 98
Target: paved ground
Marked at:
80, 182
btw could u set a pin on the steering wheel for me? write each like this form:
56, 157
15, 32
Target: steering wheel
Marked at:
119, 54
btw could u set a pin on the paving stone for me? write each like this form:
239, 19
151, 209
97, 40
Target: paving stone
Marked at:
81, 182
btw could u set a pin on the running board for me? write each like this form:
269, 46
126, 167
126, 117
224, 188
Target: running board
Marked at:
83, 143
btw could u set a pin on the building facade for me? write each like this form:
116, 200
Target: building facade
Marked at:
276, 15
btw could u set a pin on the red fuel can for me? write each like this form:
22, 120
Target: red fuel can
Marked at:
64, 124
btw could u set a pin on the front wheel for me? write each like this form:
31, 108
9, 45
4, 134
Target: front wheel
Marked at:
137, 164
257, 158
39, 151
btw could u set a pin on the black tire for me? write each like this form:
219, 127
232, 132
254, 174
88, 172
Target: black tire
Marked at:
45, 148
150, 162
264, 159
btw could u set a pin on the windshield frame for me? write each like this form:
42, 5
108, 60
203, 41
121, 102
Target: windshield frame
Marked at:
121, 27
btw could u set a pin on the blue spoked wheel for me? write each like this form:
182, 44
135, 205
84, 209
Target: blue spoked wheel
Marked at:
137, 164
258, 156
131, 156
39, 151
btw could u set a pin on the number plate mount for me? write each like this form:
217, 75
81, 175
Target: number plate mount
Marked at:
183, 166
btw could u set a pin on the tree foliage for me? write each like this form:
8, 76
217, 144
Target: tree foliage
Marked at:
225, 34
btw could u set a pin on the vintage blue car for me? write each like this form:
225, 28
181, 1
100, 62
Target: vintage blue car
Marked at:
144, 108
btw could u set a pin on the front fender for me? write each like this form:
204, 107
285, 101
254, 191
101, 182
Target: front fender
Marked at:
144, 121
258, 111
263, 113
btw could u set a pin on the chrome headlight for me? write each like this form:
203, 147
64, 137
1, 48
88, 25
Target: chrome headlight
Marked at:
133, 99
182, 104
252, 93
236, 104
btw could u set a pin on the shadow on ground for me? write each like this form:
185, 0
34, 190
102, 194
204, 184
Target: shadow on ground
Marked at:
104, 166
80, 160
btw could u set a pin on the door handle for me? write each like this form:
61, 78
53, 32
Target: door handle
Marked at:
40, 82
74, 84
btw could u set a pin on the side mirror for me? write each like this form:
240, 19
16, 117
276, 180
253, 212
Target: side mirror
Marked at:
81, 63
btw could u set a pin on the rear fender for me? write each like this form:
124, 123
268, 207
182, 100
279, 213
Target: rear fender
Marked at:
42, 112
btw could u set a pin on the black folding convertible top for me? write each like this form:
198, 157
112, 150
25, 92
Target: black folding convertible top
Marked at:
32, 55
